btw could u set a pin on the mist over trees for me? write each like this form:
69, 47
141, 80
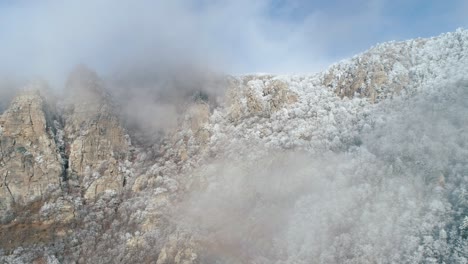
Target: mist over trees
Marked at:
366, 162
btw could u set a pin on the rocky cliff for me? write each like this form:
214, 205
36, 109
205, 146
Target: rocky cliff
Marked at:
31, 165
96, 144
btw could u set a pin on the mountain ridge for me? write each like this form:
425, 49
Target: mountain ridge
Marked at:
270, 149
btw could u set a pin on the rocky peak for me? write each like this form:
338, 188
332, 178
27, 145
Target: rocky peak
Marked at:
97, 143
31, 165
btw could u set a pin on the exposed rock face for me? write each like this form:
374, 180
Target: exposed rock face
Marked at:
37, 155
97, 142
30, 163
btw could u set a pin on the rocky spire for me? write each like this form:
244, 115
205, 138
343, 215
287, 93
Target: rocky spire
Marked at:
97, 142
30, 163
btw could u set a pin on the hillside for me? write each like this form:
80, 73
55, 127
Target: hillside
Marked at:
366, 162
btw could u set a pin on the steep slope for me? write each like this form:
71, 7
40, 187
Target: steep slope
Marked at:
233, 175
395, 67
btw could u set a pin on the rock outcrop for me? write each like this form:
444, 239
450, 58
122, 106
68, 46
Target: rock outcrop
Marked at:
46, 154
97, 142
30, 163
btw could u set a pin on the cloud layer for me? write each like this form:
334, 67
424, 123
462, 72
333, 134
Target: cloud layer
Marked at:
47, 38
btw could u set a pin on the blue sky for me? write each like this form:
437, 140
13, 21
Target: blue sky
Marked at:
47, 38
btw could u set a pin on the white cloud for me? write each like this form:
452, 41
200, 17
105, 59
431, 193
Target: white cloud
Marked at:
49, 37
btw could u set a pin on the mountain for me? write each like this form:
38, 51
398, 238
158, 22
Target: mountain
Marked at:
366, 162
